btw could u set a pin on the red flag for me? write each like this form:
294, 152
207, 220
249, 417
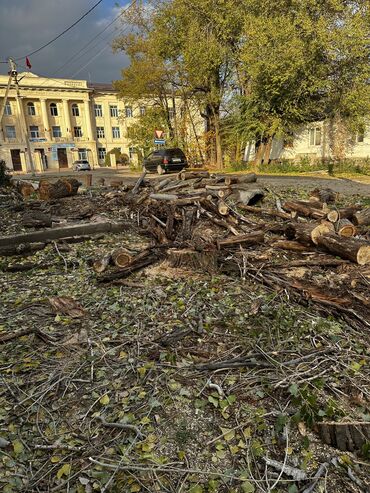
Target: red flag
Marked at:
28, 63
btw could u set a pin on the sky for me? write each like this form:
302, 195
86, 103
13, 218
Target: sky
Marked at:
25, 25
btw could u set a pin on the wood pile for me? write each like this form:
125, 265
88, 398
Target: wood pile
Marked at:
47, 190
198, 219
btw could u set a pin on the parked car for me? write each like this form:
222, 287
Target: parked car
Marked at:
81, 165
165, 160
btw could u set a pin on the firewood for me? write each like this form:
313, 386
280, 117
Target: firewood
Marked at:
325, 195
162, 184
188, 200
121, 257
163, 196
249, 178
308, 233
306, 209
21, 248
357, 251
348, 436
346, 213
116, 183
25, 188
262, 211
222, 208
344, 227
140, 261
101, 264
362, 218
36, 220
65, 187
177, 185
188, 175
333, 216
293, 246
248, 239
139, 182
192, 259
218, 191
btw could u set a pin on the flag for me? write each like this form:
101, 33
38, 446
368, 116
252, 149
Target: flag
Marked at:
28, 63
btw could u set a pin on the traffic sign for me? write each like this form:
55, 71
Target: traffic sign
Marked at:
158, 134
159, 141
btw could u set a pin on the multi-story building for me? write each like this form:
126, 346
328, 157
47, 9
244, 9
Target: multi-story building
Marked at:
66, 120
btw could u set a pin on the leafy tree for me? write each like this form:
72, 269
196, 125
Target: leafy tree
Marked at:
4, 174
141, 132
122, 159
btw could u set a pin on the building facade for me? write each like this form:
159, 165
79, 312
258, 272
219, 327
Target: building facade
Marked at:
66, 120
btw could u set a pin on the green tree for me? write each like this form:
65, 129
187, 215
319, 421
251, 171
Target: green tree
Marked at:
141, 132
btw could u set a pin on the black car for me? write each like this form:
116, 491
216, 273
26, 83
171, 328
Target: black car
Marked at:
165, 160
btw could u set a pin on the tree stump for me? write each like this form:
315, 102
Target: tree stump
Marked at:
191, 259
65, 187
122, 257
349, 437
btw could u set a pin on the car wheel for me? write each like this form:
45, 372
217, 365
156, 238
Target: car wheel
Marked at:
160, 170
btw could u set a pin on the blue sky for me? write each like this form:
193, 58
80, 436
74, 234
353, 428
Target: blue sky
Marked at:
25, 25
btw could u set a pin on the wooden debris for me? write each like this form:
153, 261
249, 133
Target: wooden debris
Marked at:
247, 239
121, 257
64, 187
101, 264
248, 178
36, 220
348, 436
305, 209
67, 306
326, 195
250, 197
191, 259
308, 233
344, 227
362, 218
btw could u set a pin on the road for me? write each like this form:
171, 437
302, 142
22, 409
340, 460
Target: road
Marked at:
340, 185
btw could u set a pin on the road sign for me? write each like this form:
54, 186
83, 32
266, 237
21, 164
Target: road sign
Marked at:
158, 134
159, 141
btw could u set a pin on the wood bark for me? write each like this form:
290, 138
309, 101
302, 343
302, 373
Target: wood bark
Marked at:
263, 211
248, 178
254, 238
306, 209
64, 187
36, 220
163, 196
162, 184
362, 218
140, 261
344, 227
345, 436
249, 197
293, 246
323, 195
357, 251
188, 175
121, 257
222, 208
192, 259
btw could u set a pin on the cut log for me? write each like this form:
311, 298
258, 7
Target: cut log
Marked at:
357, 251
344, 227
101, 264
36, 220
121, 257
249, 178
116, 183
263, 211
346, 213
308, 233
141, 260
192, 259
188, 175
188, 200
250, 197
306, 209
254, 238
349, 437
362, 218
25, 188
222, 208
333, 216
293, 246
326, 195
139, 182
177, 185
65, 187
218, 191
162, 184
163, 196
21, 248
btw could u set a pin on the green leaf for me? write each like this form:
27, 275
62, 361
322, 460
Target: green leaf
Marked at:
294, 390
293, 489
104, 400
248, 487
65, 470
17, 447
213, 400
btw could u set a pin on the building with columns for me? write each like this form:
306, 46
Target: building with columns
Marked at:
66, 120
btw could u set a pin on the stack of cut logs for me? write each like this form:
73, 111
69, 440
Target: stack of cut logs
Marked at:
196, 216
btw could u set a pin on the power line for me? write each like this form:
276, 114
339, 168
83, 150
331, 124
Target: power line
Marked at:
61, 34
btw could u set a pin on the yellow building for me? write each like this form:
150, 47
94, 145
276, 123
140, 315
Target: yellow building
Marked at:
66, 120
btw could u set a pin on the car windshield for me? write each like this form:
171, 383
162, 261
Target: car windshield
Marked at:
175, 153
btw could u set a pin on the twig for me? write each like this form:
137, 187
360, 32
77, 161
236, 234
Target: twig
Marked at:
60, 255
122, 426
320, 472
57, 447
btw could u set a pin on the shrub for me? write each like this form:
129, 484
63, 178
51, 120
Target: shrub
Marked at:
121, 159
4, 174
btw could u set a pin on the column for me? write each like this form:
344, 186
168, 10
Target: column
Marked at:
67, 119
45, 120
88, 120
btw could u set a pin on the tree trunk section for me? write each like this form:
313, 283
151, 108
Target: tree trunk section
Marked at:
348, 248
121, 257
192, 259
248, 239
36, 220
101, 264
362, 218
345, 228
306, 209
65, 187
308, 233
349, 437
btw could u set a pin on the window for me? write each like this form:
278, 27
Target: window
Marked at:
102, 152
34, 131
8, 109
77, 131
171, 112
31, 110
315, 136
53, 109
142, 110
10, 132
56, 132
128, 112
75, 110
100, 132
131, 152
82, 154
116, 133
98, 110
113, 111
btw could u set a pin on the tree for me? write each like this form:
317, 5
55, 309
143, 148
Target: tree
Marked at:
141, 133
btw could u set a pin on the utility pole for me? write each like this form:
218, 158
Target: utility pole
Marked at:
14, 75
2, 109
